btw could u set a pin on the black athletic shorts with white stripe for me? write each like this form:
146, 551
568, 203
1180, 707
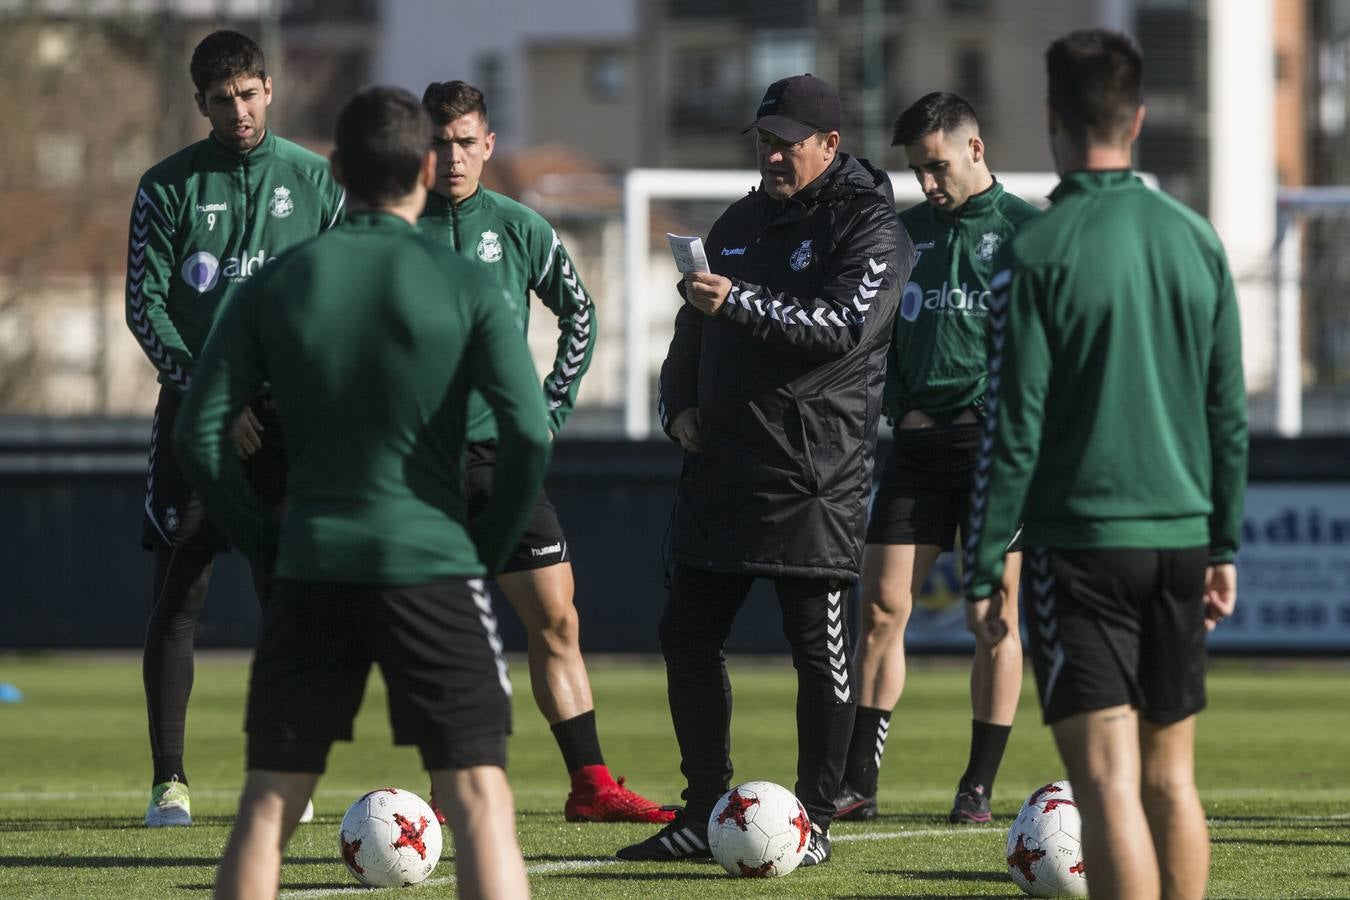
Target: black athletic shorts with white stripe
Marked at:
924, 495
173, 514
543, 543
1110, 627
436, 645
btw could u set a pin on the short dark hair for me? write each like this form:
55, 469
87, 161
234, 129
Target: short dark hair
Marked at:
446, 101
225, 56
938, 111
383, 136
1095, 84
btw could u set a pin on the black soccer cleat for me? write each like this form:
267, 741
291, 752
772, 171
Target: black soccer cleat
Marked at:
851, 806
818, 850
681, 839
970, 807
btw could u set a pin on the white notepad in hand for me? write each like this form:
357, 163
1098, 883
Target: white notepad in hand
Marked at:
688, 253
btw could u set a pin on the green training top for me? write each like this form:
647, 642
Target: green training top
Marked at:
516, 245
372, 338
937, 357
1117, 415
205, 220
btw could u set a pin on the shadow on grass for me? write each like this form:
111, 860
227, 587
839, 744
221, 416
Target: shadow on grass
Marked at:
1284, 842
128, 862
939, 875
1337, 820
719, 875
102, 823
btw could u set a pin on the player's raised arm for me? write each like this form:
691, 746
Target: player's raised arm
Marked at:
862, 284
502, 371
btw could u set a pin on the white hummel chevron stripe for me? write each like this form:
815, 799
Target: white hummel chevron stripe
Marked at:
843, 695
337, 213
489, 623
877, 268
865, 293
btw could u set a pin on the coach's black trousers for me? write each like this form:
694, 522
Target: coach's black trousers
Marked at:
694, 628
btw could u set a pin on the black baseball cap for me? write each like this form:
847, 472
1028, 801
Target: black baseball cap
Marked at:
795, 108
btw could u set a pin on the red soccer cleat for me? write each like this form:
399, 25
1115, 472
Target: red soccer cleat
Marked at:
597, 797
440, 816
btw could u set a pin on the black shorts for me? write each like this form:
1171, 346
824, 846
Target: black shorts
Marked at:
1115, 626
543, 543
174, 516
436, 645
924, 495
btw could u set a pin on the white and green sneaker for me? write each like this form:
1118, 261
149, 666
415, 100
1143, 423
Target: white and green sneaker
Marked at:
170, 806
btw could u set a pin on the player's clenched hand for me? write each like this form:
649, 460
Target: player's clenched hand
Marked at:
984, 619
684, 428
1220, 593
706, 292
246, 433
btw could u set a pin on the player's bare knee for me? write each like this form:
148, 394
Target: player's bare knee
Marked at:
886, 613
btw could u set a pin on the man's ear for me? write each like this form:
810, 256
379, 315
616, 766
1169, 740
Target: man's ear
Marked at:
201, 102
831, 144
976, 148
427, 177
1138, 123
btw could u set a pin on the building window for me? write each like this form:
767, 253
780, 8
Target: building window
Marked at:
972, 76
776, 54
712, 96
490, 78
607, 75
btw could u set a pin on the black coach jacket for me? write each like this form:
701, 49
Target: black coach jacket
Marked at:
787, 378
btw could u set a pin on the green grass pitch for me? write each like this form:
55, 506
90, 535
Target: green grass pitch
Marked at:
1272, 771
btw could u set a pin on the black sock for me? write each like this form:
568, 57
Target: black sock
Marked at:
166, 767
870, 728
579, 743
987, 743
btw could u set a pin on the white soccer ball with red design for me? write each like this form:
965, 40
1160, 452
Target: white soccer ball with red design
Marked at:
1044, 852
759, 830
390, 838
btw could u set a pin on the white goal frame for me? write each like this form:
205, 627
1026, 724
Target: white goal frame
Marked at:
641, 186
1293, 208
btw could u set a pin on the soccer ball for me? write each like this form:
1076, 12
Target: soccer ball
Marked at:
758, 830
390, 837
1044, 852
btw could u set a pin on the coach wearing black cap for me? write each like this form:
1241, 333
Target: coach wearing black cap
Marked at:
773, 388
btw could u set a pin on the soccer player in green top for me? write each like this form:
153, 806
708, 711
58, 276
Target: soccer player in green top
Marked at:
513, 244
372, 338
205, 221
1117, 433
935, 388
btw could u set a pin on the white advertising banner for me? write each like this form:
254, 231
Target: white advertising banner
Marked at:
1293, 578
1293, 570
